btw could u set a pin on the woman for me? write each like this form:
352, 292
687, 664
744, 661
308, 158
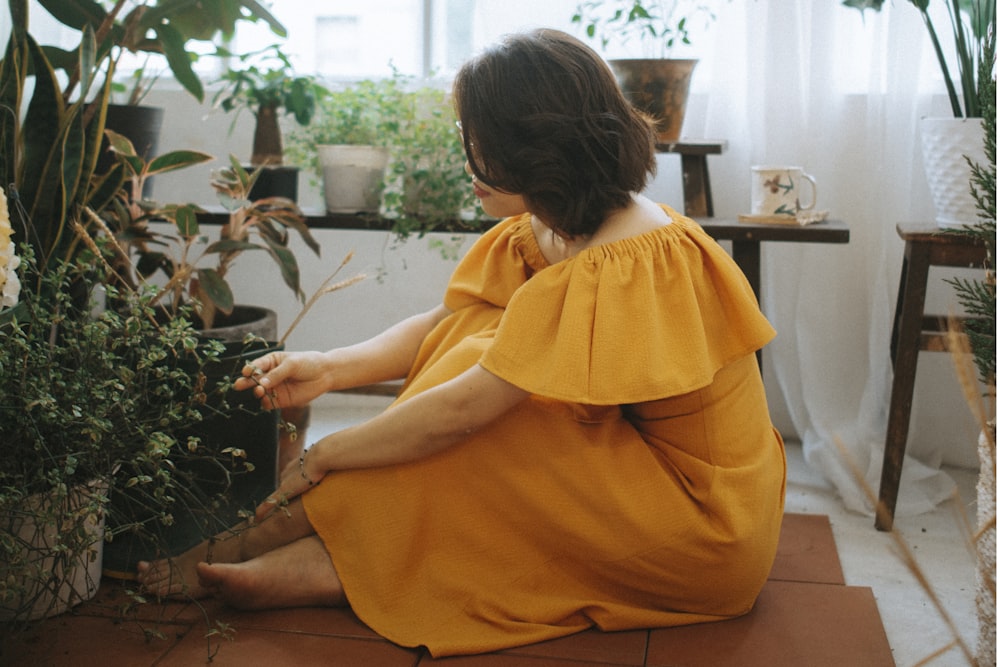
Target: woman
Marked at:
582, 438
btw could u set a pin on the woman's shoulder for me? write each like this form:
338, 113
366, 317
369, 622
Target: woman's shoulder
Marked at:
641, 217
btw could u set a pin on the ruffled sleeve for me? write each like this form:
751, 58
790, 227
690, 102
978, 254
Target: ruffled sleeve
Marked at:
636, 320
497, 264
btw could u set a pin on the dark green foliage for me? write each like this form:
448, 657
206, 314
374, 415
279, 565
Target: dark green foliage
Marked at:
978, 297
90, 404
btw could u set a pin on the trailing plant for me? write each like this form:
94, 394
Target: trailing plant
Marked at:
659, 25
88, 404
427, 187
972, 24
195, 273
267, 87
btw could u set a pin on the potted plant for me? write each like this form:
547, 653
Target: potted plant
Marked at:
346, 145
90, 404
656, 84
194, 273
98, 380
268, 87
161, 30
978, 298
427, 188
947, 141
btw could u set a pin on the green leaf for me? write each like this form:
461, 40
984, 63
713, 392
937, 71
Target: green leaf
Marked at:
119, 143
286, 262
214, 287
186, 220
179, 60
176, 160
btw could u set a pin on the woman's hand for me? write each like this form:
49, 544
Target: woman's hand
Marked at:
284, 379
298, 477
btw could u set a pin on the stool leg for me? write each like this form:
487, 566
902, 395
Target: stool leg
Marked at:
697, 190
907, 327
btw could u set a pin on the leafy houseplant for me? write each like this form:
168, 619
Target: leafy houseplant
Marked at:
266, 89
423, 186
971, 22
427, 188
88, 405
657, 85
655, 24
947, 141
179, 253
346, 144
158, 27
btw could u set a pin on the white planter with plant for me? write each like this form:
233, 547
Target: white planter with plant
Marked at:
361, 120
947, 142
353, 176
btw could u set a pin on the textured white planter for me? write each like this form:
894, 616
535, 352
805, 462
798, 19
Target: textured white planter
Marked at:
986, 549
946, 142
352, 177
71, 582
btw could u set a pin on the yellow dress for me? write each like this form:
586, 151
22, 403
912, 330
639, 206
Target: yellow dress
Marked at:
641, 484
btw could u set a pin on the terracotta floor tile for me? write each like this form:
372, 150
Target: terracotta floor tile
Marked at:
252, 647
505, 660
311, 620
88, 641
793, 624
594, 646
797, 621
807, 551
113, 601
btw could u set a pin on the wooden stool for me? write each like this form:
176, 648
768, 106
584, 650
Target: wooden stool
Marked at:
694, 173
913, 331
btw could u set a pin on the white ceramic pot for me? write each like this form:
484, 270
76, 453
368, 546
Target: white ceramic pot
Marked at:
72, 580
946, 143
352, 177
986, 548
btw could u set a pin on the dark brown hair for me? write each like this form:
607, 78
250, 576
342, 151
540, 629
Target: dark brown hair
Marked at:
543, 117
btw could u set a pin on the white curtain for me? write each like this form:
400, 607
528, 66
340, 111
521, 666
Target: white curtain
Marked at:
779, 92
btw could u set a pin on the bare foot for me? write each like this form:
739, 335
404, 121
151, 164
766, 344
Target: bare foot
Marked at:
299, 574
172, 578
177, 576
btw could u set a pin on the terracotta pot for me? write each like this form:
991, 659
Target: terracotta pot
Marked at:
659, 87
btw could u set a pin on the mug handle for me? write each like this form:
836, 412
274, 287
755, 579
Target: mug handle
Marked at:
812, 182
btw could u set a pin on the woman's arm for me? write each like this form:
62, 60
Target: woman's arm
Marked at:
282, 379
418, 427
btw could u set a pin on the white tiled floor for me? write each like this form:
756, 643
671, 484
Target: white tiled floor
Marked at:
869, 558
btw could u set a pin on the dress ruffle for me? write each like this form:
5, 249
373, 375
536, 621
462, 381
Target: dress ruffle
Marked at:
626, 322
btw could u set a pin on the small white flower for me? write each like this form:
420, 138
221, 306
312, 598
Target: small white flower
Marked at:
10, 285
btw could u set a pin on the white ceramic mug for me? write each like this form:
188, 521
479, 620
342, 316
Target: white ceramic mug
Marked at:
778, 190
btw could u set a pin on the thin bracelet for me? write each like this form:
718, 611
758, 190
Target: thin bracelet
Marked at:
302, 469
